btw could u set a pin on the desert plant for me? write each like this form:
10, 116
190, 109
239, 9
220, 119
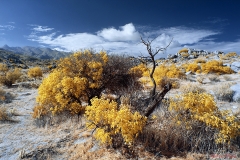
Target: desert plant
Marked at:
192, 87
110, 120
223, 92
80, 77
202, 108
231, 54
3, 114
184, 55
215, 66
214, 78
5, 97
184, 50
35, 72
227, 78
161, 74
193, 67
9, 76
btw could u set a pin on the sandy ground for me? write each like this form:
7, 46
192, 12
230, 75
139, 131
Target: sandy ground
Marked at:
24, 138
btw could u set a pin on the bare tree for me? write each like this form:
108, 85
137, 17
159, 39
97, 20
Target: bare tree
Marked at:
155, 98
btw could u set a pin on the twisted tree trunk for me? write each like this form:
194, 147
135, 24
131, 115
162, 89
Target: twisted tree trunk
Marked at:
157, 99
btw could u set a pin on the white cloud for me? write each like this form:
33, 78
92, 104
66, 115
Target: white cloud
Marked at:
127, 40
39, 28
70, 42
184, 35
126, 33
6, 27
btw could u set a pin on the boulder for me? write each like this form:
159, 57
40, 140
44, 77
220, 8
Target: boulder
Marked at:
170, 56
236, 89
235, 66
227, 65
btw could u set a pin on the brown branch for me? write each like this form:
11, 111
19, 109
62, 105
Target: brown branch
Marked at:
157, 100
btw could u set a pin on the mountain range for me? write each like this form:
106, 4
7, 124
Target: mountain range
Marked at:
37, 52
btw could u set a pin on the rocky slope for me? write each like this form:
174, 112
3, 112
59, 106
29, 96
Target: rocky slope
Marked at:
37, 52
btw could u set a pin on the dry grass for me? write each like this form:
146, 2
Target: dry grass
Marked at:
192, 87
227, 78
86, 151
200, 79
223, 92
6, 116
172, 140
3, 114
5, 97
214, 78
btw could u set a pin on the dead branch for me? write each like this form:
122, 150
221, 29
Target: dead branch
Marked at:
157, 100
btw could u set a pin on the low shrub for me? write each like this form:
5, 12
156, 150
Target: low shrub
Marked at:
163, 74
202, 108
5, 97
231, 54
193, 67
35, 72
9, 76
191, 87
214, 78
223, 92
110, 121
227, 78
184, 50
3, 114
215, 66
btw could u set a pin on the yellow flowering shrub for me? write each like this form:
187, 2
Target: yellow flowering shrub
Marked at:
193, 67
231, 54
9, 76
161, 73
139, 69
80, 77
184, 50
215, 66
75, 80
35, 72
110, 120
202, 107
184, 54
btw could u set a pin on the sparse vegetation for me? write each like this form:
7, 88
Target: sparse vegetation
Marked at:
5, 97
9, 76
3, 114
223, 92
129, 122
214, 78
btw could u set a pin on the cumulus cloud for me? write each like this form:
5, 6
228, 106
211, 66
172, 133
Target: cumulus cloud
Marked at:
70, 42
127, 40
126, 33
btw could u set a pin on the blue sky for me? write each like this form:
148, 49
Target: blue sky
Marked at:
117, 25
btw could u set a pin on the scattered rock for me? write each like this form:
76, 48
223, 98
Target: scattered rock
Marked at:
235, 66
236, 89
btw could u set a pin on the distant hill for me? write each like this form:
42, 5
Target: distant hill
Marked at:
37, 52
11, 59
